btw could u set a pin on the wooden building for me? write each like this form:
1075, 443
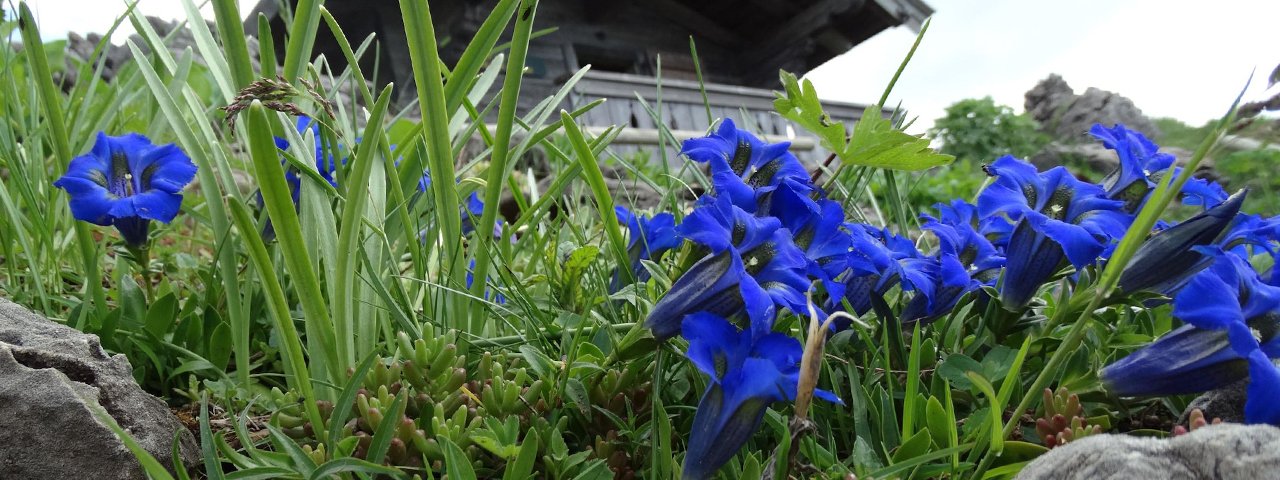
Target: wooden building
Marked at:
742, 44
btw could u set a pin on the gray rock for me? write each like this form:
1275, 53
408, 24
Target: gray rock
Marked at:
1067, 117
1227, 451
1226, 403
80, 49
47, 373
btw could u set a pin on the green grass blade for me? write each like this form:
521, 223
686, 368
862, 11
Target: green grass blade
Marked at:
266, 47
481, 47
279, 203
352, 223
498, 171
231, 31
51, 102
302, 36
298, 377
425, 57
604, 198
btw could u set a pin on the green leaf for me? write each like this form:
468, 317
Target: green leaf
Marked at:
915, 446
538, 361
523, 466
220, 346
875, 142
938, 422
577, 394
997, 433
954, 367
162, 315
456, 464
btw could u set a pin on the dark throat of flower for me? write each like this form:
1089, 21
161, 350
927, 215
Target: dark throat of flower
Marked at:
741, 157
755, 260
1059, 202
121, 179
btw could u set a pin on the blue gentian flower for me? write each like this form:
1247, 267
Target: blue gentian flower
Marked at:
127, 182
753, 264
747, 373
650, 238
1228, 298
1141, 164
1169, 258
488, 295
966, 261
826, 243
1058, 218
743, 167
878, 261
1198, 191
326, 165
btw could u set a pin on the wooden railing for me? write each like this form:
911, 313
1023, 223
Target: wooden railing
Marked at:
685, 112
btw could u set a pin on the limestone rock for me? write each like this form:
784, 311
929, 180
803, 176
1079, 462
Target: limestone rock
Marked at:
47, 373
1226, 403
1227, 451
1067, 117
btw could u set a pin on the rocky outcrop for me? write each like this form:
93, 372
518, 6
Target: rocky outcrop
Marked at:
50, 376
1227, 451
1067, 117
176, 37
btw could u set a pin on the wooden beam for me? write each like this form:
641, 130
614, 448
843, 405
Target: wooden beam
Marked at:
698, 24
809, 20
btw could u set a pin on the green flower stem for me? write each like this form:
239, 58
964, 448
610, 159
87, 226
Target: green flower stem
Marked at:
142, 256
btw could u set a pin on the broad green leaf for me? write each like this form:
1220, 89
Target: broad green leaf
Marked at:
875, 142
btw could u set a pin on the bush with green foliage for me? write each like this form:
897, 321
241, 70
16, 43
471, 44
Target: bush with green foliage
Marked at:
978, 129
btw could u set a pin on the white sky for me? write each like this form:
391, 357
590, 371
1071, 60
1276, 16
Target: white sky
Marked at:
1177, 58
1174, 58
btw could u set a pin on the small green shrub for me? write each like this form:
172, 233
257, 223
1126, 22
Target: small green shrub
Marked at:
980, 130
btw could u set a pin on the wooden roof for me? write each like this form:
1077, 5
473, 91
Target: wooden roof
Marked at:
740, 42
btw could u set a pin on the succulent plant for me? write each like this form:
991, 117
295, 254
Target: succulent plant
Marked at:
485, 403
1194, 421
1063, 420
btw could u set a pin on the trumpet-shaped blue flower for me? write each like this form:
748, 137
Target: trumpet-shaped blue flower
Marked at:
1198, 191
1228, 298
325, 163
747, 371
743, 167
1169, 258
826, 243
880, 260
965, 260
127, 182
650, 238
753, 264
1141, 163
1058, 218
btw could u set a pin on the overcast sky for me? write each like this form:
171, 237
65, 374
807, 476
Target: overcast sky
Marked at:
1177, 58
